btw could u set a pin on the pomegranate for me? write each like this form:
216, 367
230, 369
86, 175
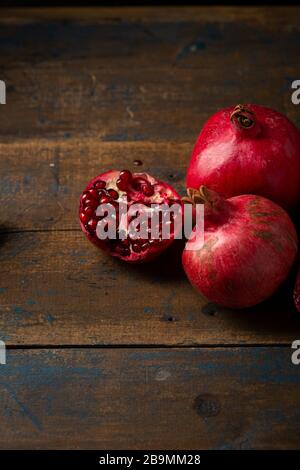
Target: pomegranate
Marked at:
138, 188
297, 292
249, 246
249, 149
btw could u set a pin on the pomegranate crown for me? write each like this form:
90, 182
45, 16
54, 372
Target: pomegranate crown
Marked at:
203, 195
242, 116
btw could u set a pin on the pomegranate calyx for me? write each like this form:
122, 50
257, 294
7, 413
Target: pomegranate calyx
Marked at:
242, 117
193, 197
203, 195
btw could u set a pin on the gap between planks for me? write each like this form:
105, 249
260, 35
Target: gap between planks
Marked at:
147, 346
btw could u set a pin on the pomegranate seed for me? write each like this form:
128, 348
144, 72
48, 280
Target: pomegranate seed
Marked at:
126, 242
88, 211
122, 184
144, 246
137, 162
114, 194
125, 175
84, 218
104, 199
91, 203
100, 184
93, 193
147, 190
85, 196
92, 224
136, 248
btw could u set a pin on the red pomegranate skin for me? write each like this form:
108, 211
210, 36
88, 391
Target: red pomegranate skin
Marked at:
162, 193
250, 244
263, 159
297, 292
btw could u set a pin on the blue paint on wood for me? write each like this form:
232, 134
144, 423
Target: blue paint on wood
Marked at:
49, 318
123, 136
52, 292
21, 312
26, 180
148, 310
4, 336
9, 187
25, 410
191, 48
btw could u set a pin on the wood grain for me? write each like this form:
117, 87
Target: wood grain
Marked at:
84, 98
41, 181
150, 399
56, 288
89, 89
141, 74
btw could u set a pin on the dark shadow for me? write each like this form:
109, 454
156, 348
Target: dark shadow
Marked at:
277, 315
166, 267
5, 232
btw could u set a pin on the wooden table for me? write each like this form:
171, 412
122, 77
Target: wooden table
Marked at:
100, 354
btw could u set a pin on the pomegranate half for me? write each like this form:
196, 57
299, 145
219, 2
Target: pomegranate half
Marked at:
248, 149
250, 244
138, 188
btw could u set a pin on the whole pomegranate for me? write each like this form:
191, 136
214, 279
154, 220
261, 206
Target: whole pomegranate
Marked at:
142, 189
248, 149
250, 244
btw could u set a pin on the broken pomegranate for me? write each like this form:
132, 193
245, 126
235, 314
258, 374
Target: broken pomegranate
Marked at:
137, 190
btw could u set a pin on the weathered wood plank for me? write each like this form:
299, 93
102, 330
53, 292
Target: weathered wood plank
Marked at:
56, 288
41, 181
106, 77
73, 112
235, 398
61, 101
